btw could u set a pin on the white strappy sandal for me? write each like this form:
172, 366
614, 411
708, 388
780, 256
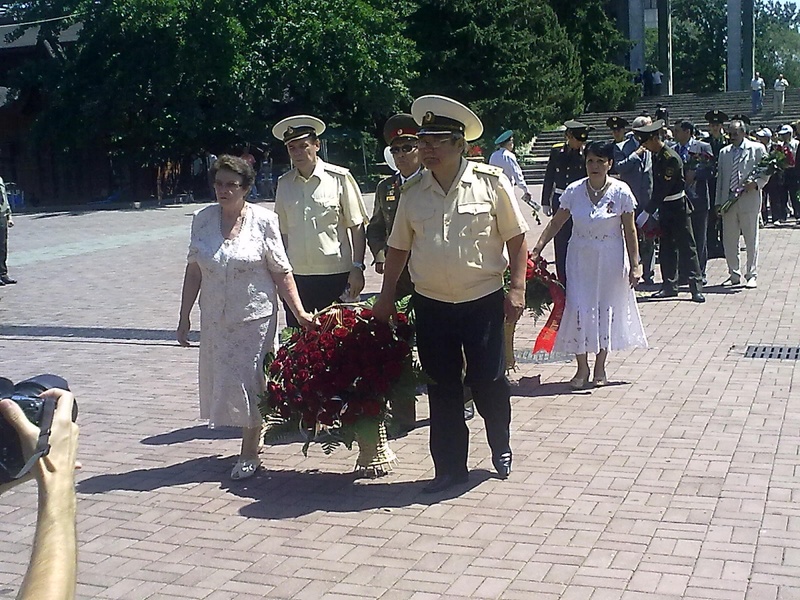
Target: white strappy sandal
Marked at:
244, 469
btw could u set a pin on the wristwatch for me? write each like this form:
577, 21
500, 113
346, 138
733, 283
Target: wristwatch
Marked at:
359, 265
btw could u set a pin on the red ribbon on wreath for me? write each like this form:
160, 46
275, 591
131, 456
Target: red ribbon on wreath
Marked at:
547, 336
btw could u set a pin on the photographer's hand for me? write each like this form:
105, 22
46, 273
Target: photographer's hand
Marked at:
53, 568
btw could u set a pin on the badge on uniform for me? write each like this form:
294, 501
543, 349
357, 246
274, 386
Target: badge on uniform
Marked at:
390, 196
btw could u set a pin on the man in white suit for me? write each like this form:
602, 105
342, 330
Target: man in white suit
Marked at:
735, 171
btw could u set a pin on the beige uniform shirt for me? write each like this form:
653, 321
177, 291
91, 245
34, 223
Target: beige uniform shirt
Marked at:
315, 214
457, 238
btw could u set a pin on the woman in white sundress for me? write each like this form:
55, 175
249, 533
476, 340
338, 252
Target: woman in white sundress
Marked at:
236, 257
603, 266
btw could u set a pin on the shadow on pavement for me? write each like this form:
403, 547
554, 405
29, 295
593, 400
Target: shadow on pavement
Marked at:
282, 494
529, 387
291, 494
93, 332
196, 432
720, 289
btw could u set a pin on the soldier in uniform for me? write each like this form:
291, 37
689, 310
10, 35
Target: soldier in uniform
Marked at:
634, 165
505, 158
696, 175
717, 139
322, 216
566, 165
669, 199
400, 133
461, 226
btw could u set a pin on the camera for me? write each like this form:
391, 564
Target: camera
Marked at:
39, 411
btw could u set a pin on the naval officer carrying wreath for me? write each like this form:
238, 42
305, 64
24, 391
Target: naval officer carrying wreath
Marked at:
455, 220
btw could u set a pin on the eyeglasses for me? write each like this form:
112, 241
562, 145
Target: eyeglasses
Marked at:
433, 142
405, 149
228, 185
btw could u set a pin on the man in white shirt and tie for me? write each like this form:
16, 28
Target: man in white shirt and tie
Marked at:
735, 176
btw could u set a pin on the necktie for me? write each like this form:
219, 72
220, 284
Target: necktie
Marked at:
736, 174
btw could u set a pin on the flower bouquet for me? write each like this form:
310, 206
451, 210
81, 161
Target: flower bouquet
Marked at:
335, 383
648, 226
779, 158
703, 163
542, 288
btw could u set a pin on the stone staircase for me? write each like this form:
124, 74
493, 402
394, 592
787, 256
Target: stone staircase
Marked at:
692, 107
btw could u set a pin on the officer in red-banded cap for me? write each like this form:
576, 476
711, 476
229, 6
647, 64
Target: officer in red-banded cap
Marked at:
400, 133
322, 218
454, 222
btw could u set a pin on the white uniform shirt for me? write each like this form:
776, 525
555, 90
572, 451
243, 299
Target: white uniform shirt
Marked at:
507, 161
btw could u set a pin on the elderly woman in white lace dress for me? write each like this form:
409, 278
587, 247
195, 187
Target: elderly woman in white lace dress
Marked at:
603, 266
237, 257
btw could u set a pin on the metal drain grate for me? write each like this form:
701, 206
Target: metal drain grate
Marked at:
779, 352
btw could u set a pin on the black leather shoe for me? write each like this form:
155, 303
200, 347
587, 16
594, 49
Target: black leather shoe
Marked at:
665, 294
698, 297
2, 283
469, 410
441, 483
502, 464
7, 280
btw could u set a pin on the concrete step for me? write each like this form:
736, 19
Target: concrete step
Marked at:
691, 107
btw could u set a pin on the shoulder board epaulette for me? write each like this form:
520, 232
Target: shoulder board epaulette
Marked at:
559, 144
336, 169
485, 169
411, 182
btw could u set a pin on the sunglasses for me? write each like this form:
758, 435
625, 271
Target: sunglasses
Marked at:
405, 149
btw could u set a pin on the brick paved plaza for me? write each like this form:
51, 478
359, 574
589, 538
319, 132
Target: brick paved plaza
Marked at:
679, 480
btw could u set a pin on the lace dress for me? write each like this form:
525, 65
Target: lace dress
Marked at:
601, 310
238, 311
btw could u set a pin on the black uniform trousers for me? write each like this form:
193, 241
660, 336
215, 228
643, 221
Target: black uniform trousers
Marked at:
316, 292
714, 228
699, 219
677, 240
779, 201
560, 243
446, 334
793, 189
3, 250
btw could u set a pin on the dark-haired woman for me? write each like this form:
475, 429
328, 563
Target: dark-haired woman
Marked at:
236, 256
602, 267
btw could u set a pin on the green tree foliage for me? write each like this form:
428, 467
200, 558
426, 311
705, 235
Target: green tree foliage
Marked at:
606, 85
700, 43
157, 78
509, 60
777, 41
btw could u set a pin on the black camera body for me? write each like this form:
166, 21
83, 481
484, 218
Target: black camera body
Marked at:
39, 411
